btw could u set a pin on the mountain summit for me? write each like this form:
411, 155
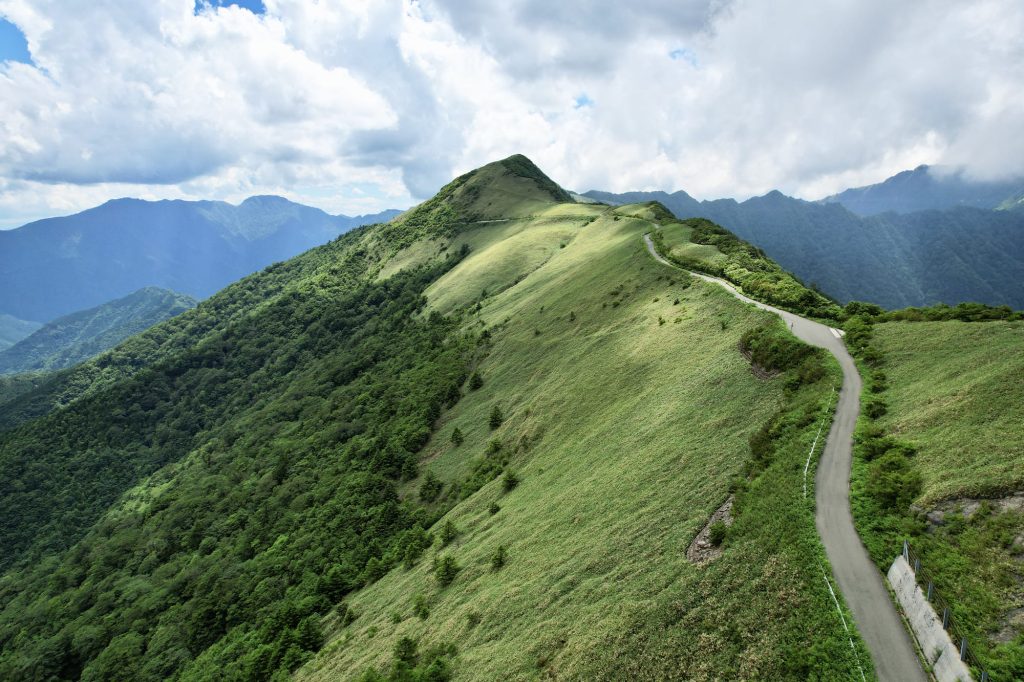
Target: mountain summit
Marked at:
927, 187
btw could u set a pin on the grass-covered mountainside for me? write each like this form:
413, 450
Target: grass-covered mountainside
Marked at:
928, 187
13, 330
939, 462
895, 260
700, 245
58, 266
473, 443
70, 339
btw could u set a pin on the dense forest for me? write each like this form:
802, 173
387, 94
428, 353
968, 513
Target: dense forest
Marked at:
278, 438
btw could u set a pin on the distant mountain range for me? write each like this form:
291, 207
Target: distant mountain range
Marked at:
929, 187
57, 266
73, 338
13, 330
895, 259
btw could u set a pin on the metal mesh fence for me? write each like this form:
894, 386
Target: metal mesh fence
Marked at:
956, 633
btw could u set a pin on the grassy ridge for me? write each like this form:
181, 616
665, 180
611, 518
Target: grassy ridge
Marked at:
699, 244
948, 405
627, 412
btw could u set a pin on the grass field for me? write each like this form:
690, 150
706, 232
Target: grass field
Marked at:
954, 394
627, 412
956, 390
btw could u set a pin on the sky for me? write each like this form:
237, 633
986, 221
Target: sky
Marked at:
359, 105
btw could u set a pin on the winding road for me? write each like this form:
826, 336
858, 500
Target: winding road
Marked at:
860, 582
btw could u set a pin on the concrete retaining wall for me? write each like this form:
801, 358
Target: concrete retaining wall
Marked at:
938, 648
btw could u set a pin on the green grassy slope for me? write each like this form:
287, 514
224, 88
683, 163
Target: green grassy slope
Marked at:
956, 392
627, 414
221, 495
951, 434
70, 339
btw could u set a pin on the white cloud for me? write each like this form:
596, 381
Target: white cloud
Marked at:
316, 100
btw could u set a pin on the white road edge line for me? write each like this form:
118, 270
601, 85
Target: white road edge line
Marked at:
843, 618
807, 464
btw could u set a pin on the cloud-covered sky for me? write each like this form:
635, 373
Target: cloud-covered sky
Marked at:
360, 105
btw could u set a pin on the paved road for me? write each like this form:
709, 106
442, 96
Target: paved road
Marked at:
861, 583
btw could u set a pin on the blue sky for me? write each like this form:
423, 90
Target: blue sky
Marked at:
359, 105
255, 6
13, 46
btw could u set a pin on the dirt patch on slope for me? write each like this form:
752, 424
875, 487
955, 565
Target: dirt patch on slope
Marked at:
701, 550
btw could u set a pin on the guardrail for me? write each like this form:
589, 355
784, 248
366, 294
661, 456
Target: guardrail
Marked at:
945, 612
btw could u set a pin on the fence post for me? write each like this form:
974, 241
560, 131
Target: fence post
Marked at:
945, 617
984, 676
931, 585
906, 551
963, 647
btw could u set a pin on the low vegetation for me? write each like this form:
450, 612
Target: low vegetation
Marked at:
701, 245
940, 430
621, 436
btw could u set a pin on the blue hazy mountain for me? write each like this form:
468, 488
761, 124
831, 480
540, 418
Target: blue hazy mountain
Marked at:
896, 260
13, 330
928, 187
73, 338
57, 266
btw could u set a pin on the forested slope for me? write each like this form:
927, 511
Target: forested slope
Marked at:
70, 339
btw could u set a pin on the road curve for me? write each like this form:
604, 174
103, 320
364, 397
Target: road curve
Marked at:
860, 581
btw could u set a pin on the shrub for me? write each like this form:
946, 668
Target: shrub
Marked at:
498, 558
509, 481
431, 487
892, 481
494, 508
457, 437
475, 381
448, 533
875, 408
420, 608
717, 532
445, 570
496, 418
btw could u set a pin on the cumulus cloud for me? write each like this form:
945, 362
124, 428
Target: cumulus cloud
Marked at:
354, 105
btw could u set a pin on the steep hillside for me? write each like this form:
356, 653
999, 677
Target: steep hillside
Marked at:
940, 464
58, 266
13, 330
918, 259
925, 188
277, 468
70, 339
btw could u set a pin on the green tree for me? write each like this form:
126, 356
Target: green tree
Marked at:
496, 417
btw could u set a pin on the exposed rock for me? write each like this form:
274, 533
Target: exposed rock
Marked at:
701, 550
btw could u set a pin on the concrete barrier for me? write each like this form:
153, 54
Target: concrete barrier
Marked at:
939, 650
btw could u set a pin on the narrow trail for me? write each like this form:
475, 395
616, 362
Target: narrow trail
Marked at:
859, 580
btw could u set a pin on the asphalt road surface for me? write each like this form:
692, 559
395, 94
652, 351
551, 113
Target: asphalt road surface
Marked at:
860, 581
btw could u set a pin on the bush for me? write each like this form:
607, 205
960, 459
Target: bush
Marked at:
420, 609
892, 481
875, 408
457, 437
448, 533
496, 418
772, 348
431, 487
475, 381
445, 570
494, 508
498, 558
509, 481
717, 532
